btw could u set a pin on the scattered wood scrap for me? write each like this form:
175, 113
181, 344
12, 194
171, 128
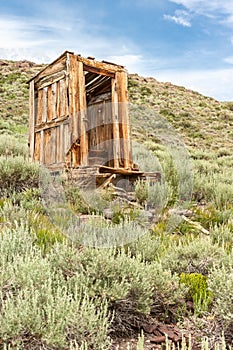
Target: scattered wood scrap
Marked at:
197, 225
122, 171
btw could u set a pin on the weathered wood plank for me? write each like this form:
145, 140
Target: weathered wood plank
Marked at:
125, 131
51, 124
66, 138
49, 104
32, 119
103, 97
56, 66
107, 169
47, 135
61, 155
63, 98
37, 147
58, 145
42, 147
54, 100
98, 70
53, 146
45, 105
58, 100
115, 119
81, 109
73, 96
105, 68
51, 79
39, 107
107, 182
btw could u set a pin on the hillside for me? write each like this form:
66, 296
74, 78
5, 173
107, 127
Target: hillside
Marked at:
199, 119
202, 121
174, 279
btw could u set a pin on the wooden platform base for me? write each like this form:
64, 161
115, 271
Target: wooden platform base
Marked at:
102, 176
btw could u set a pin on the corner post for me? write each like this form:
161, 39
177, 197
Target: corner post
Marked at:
31, 120
125, 131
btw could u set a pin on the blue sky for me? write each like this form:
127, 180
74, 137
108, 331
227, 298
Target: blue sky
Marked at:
186, 42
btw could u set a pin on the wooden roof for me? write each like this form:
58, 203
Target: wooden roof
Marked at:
89, 64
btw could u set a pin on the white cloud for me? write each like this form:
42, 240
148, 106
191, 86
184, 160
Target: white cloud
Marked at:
180, 17
229, 59
206, 7
130, 61
214, 83
222, 10
42, 40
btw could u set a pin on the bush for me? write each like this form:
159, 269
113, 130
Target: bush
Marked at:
42, 229
130, 285
197, 256
39, 309
11, 146
16, 174
198, 290
221, 285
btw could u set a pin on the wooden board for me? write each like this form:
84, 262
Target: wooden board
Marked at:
115, 120
56, 66
45, 105
37, 147
73, 97
39, 107
125, 131
106, 169
50, 79
49, 103
32, 120
104, 68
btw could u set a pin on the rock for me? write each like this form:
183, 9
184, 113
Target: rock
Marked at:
3, 63
149, 328
23, 64
158, 340
108, 213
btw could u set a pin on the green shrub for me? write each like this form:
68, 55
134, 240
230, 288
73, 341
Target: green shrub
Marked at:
147, 246
43, 230
29, 199
216, 188
197, 256
141, 191
38, 307
223, 235
220, 283
210, 216
198, 290
129, 284
76, 200
11, 146
16, 174
145, 91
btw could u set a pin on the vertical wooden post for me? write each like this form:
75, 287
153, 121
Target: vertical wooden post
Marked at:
83, 118
32, 120
115, 125
42, 147
72, 81
62, 153
77, 106
121, 81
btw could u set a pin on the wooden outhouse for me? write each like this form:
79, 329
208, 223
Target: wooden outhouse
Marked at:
79, 115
